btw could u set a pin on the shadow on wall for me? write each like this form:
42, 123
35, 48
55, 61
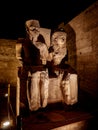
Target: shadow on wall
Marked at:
71, 44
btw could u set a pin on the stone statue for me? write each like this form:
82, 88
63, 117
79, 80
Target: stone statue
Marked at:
45, 77
39, 76
66, 75
34, 53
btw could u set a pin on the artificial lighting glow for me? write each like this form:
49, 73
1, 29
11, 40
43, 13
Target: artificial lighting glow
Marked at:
7, 123
6, 95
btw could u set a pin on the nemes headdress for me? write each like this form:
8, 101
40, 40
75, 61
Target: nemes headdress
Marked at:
32, 23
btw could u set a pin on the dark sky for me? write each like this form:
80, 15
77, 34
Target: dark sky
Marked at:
13, 14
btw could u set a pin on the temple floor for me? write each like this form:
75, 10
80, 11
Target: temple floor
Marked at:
54, 116
81, 116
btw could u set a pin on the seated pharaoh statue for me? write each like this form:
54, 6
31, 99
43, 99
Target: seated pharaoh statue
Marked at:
63, 79
45, 77
33, 73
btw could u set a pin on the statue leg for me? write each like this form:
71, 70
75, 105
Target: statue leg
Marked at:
34, 101
44, 88
70, 89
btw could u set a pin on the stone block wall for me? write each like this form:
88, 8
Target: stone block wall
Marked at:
8, 63
85, 27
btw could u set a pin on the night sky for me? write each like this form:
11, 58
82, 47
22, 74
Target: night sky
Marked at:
13, 14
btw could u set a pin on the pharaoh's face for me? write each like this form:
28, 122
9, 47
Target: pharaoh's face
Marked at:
32, 28
59, 46
33, 33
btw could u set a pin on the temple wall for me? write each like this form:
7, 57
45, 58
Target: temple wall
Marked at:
83, 48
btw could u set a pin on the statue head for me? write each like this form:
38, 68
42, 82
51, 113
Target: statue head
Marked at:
58, 43
32, 28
